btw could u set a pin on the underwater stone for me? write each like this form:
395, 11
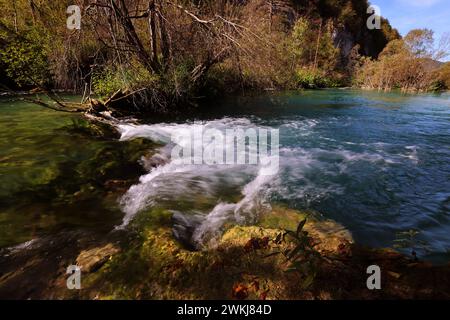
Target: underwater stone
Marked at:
92, 259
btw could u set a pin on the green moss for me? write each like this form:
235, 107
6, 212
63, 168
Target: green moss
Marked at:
283, 218
152, 219
153, 265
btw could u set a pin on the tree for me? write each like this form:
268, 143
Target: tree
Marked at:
420, 42
406, 64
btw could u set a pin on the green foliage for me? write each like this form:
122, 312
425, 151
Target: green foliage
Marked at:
314, 47
310, 79
314, 55
25, 58
30, 31
178, 80
314, 79
107, 82
405, 64
132, 77
300, 39
300, 255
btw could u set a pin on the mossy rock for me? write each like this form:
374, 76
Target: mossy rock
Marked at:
238, 235
156, 266
94, 258
328, 234
136, 148
91, 129
283, 218
117, 160
152, 219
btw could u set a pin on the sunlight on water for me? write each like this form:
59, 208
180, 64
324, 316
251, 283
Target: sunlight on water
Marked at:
378, 163
375, 162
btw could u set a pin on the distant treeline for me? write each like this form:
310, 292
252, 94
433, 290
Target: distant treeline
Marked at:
168, 52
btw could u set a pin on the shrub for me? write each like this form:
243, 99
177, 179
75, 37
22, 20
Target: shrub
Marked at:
313, 79
443, 76
25, 59
404, 64
111, 79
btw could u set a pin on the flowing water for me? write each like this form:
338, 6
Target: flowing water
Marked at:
52, 168
376, 162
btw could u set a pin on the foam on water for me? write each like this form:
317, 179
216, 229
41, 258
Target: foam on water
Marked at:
308, 173
246, 210
176, 178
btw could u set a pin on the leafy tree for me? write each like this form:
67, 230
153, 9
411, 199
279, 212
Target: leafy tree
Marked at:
443, 76
404, 64
25, 59
420, 42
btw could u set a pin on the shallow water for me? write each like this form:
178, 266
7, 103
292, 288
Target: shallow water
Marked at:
48, 171
376, 162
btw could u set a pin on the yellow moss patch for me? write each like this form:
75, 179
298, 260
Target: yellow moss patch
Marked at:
158, 267
328, 234
240, 235
283, 218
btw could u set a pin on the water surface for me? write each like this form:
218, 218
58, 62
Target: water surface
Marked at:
376, 162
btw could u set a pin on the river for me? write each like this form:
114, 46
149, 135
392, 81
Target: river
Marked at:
378, 163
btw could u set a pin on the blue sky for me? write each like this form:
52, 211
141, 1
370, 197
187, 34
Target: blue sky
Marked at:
412, 14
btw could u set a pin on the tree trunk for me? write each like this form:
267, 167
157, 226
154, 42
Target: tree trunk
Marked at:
132, 37
153, 33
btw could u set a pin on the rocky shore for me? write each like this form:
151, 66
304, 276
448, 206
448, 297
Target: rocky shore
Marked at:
249, 262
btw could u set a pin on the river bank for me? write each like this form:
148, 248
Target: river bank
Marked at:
153, 265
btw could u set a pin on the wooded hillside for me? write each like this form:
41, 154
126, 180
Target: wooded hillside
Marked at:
166, 52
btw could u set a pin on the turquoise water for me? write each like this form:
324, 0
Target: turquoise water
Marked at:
379, 163
376, 162
53, 167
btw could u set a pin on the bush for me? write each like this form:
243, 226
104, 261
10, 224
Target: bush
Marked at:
443, 75
313, 47
313, 79
132, 77
407, 64
25, 60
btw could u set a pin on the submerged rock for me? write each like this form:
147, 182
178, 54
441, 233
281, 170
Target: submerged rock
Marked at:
92, 259
117, 185
153, 161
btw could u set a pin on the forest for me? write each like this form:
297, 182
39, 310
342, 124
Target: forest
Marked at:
163, 54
